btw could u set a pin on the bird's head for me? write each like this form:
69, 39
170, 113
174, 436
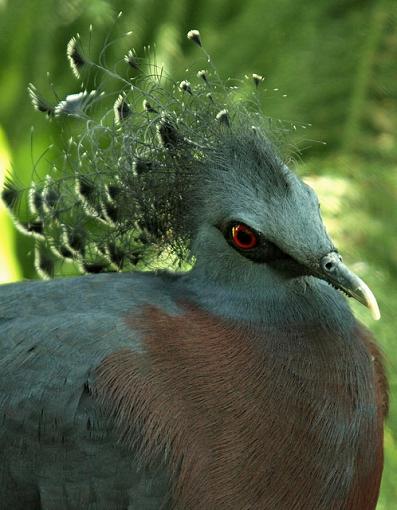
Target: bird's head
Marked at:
183, 169
255, 219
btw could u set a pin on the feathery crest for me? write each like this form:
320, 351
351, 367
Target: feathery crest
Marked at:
223, 117
132, 60
148, 107
33, 228
38, 102
44, 263
258, 79
75, 56
121, 109
203, 75
75, 104
186, 87
10, 194
124, 190
194, 35
36, 202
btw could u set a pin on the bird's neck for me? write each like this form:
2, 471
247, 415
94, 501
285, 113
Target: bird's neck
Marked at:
269, 299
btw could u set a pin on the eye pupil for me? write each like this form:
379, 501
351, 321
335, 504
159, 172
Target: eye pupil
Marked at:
243, 237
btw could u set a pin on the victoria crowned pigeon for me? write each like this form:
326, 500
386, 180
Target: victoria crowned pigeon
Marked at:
240, 380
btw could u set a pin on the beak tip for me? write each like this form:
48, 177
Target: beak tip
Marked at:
369, 300
376, 314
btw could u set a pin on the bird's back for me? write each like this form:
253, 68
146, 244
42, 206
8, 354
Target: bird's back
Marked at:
58, 449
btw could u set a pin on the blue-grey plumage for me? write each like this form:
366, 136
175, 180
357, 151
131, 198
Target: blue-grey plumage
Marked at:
244, 382
58, 450
62, 445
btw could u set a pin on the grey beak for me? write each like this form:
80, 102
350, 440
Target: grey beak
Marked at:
334, 271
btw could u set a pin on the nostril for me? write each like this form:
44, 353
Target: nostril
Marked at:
329, 263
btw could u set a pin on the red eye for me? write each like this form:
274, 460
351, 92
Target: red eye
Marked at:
243, 237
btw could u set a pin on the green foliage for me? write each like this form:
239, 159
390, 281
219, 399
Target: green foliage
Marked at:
333, 59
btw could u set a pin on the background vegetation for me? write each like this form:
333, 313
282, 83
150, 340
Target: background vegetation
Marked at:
334, 60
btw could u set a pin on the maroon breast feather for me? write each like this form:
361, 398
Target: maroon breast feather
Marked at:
250, 424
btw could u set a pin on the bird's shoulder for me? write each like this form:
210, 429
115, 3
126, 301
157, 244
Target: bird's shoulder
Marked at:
54, 334
105, 292
53, 431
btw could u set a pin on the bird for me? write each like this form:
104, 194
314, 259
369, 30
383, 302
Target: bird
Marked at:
239, 379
